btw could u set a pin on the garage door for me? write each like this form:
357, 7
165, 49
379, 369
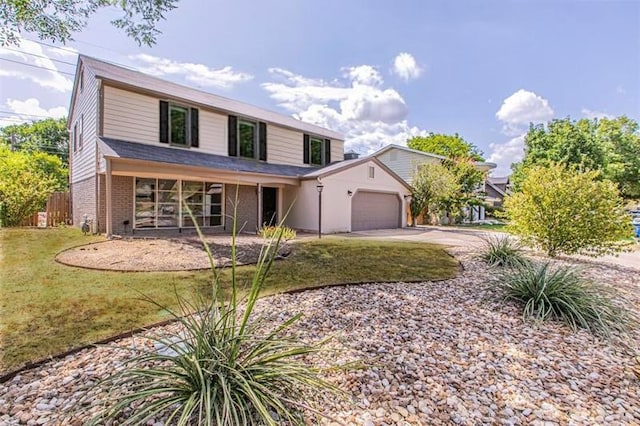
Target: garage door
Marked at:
374, 210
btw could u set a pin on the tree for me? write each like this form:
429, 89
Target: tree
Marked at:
57, 20
611, 146
50, 136
432, 184
621, 138
450, 146
563, 210
468, 179
26, 180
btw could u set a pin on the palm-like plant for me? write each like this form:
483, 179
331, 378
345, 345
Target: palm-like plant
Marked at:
224, 367
499, 250
560, 293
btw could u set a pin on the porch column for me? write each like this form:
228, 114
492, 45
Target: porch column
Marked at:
108, 201
259, 215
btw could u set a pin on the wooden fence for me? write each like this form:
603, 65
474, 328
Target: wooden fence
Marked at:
58, 211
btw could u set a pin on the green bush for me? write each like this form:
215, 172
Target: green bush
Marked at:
225, 367
278, 232
501, 250
563, 210
560, 293
26, 180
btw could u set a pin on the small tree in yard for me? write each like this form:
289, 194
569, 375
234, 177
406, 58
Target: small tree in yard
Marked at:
563, 210
432, 185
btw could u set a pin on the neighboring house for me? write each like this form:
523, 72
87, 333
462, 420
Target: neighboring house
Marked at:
406, 161
496, 189
142, 148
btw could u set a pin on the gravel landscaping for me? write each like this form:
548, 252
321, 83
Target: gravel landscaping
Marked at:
434, 353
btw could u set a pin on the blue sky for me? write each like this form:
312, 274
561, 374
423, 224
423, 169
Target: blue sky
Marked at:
378, 71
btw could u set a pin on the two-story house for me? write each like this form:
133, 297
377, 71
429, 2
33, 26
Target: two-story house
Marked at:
148, 155
405, 162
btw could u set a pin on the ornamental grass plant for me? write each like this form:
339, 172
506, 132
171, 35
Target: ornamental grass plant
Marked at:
548, 292
224, 366
503, 251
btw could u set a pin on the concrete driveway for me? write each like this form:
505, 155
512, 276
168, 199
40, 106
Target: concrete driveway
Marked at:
457, 237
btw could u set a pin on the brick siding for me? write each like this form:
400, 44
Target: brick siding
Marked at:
83, 200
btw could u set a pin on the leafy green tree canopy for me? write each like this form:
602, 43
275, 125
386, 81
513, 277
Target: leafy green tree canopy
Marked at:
450, 146
50, 136
611, 146
57, 20
563, 210
432, 184
26, 180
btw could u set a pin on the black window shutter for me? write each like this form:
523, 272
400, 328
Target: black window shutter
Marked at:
305, 149
327, 151
262, 134
164, 121
233, 136
195, 136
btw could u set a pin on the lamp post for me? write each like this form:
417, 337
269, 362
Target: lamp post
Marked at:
319, 187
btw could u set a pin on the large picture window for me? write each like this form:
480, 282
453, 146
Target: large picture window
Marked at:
159, 203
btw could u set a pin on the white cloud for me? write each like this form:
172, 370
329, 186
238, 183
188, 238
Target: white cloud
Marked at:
369, 115
365, 75
506, 153
222, 78
29, 110
595, 114
40, 69
406, 67
515, 113
520, 109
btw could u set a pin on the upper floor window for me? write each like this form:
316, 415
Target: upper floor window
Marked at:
316, 151
372, 172
247, 139
178, 124
75, 137
80, 137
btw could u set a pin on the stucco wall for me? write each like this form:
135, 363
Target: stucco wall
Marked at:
336, 202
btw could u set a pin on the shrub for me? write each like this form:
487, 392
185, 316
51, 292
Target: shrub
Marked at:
502, 250
26, 180
225, 367
563, 210
277, 232
561, 294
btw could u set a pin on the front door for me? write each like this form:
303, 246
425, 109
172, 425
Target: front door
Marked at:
269, 206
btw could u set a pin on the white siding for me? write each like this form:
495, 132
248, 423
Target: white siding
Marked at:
284, 146
404, 163
85, 109
130, 116
135, 117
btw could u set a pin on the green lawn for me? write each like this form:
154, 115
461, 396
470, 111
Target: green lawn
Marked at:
47, 308
483, 227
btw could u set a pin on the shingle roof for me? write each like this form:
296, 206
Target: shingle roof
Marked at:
160, 154
130, 77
